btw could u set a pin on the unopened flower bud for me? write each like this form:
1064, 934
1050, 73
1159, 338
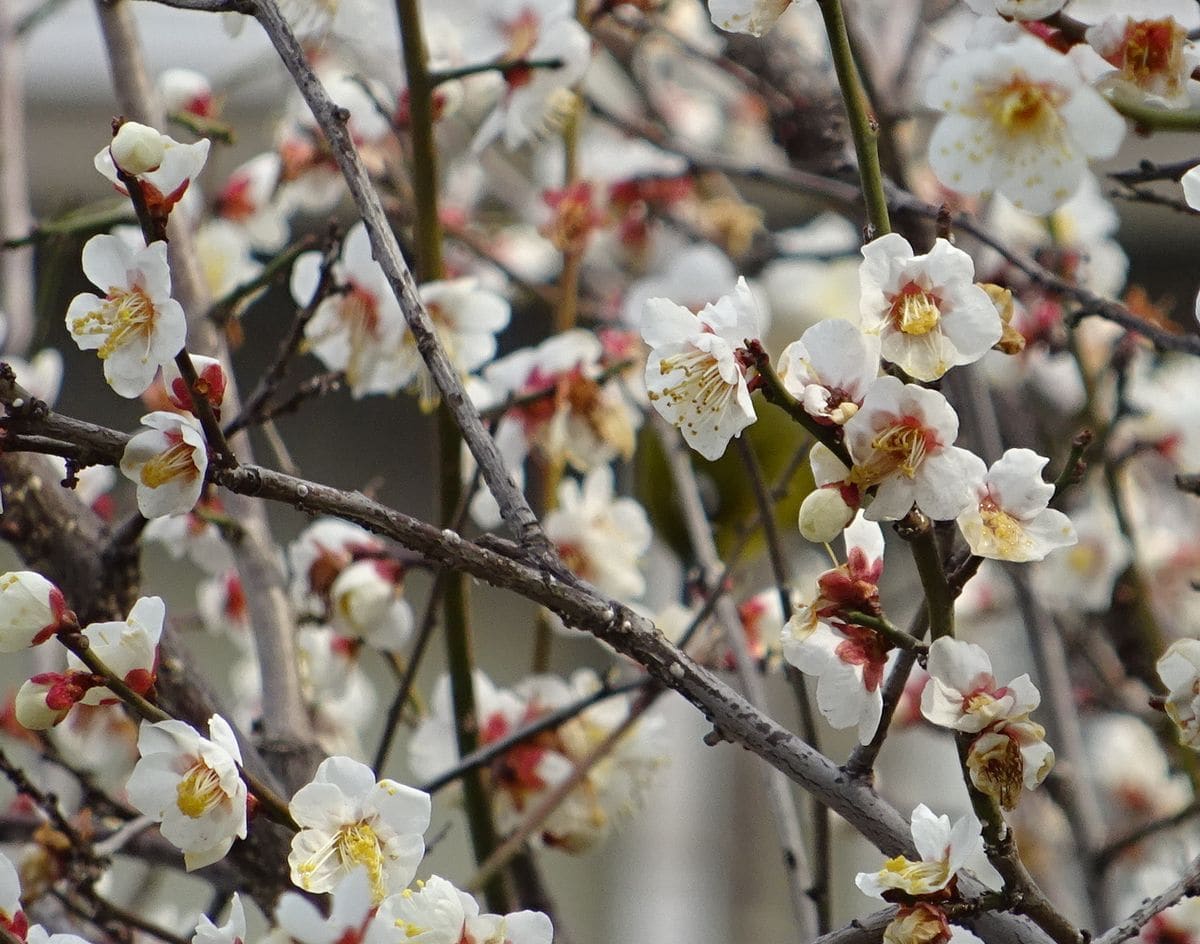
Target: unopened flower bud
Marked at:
44, 700
137, 149
32, 610
824, 514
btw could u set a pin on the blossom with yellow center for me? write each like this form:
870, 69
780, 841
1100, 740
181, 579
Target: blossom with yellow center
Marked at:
1010, 518
1019, 119
349, 821
962, 693
1153, 58
167, 461
900, 442
191, 785
927, 310
944, 851
136, 327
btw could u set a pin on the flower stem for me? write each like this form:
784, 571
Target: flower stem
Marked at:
864, 128
917, 529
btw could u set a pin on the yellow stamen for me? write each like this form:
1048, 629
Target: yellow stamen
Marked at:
178, 461
199, 791
124, 316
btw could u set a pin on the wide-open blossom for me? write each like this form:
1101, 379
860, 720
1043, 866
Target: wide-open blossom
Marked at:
927, 310
944, 852
32, 609
1010, 519
129, 647
1019, 119
349, 821
901, 441
830, 368
162, 166
755, 17
962, 693
822, 640
167, 462
359, 329
191, 786
136, 327
1179, 669
435, 912
693, 377
600, 537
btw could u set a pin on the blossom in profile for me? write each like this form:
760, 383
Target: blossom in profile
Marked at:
1148, 51
1179, 669
1010, 519
1018, 119
190, 784
945, 851
167, 461
901, 443
830, 368
693, 376
927, 310
349, 821
822, 640
348, 920
129, 647
136, 327
162, 167
32, 609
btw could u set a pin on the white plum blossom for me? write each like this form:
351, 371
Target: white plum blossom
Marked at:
962, 693
945, 851
349, 821
321, 552
359, 329
1010, 519
436, 912
1146, 53
1019, 120
136, 327
194, 535
755, 17
1179, 669
129, 647
248, 199
901, 441
693, 377
12, 918
1082, 578
830, 368
163, 167
191, 786
1010, 751
168, 462
185, 90
925, 923
847, 659
927, 310
32, 609
232, 931
349, 915
600, 537
366, 602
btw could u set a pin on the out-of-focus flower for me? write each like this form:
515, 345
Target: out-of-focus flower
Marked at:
186, 90
32, 609
1179, 668
12, 918
1082, 578
1017, 9
1150, 52
900, 440
232, 931
693, 377
367, 602
945, 851
191, 786
195, 535
746, 16
248, 200
927, 310
347, 820
167, 462
600, 537
1020, 120
348, 919
136, 327
1010, 519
